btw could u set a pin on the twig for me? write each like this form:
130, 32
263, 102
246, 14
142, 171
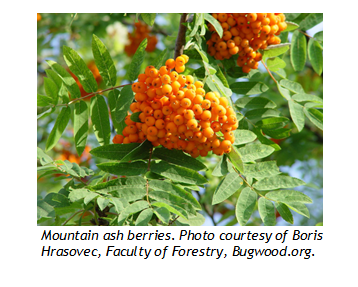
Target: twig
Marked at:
94, 93
171, 222
72, 217
263, 62
180, 41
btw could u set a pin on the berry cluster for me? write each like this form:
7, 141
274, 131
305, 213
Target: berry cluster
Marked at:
141, 31
244, 34
176, 112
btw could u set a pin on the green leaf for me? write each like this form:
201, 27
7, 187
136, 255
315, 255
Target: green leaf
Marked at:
319, 37
140, 152
292, 16
243, 136
261, 169
115, 151
90, 197
307, 98
300, 208
100, 119
123, 103
215, 23
275, 50
148, 18
272, 123
163, 214
201, 53
59, 127
129, 193
56, 200
42, 157
179, 158
125, 168
135, 117
144, 217
172, 208
311, 20
278, 133
223, 167
175, 201
267, 212
297, 114
175, 190
77, 194
160, 60
104, 62
287, 196
264, 140
102, 202
51, 90
255, 151
197, 220
80, 126
298, 51
277, 181
44, 210
178, 173
248, 88
137, 60
235, 159
284, 92
80, 69
255, 103
259, 114
120, 183
275, 64
315, 55
197, 22
315, 116
292, 86
66, 78
236, 72
112, 102
44, 101
284, 212
291, 26
245, 205
222, 78
131, 209
227, 187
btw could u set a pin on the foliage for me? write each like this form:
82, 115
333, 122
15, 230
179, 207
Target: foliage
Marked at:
279, 108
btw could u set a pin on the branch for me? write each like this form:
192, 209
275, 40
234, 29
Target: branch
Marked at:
263, 62
81, 98
180, 41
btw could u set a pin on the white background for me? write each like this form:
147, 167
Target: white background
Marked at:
335, 255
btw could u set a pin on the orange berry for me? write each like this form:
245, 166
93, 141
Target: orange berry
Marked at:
178, 120
216, 126
118, 139
153, 131
208, 132
189, 114
206, 115
185, 103
170, 64
150, 121
191, 124
206, 104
